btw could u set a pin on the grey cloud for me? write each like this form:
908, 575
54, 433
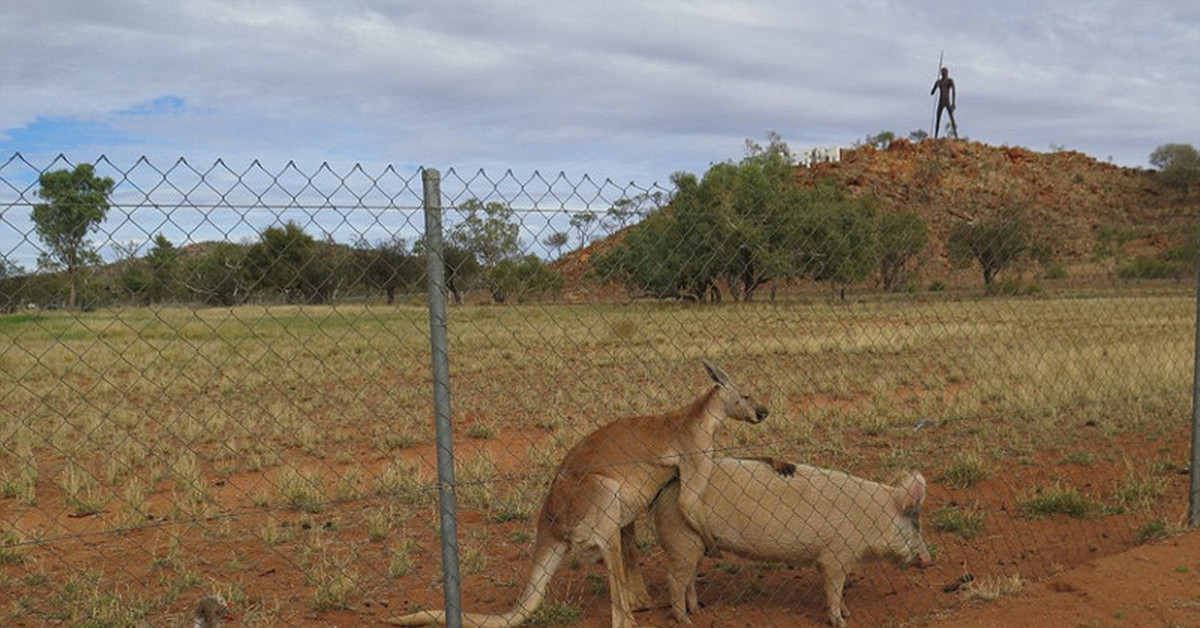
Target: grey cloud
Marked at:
631, 89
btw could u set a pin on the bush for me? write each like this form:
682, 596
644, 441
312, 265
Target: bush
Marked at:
1151, 268
1056, 271
523, 279
994, 244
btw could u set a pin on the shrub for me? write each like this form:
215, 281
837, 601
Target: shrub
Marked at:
1150, 268
523, 279
1056, 271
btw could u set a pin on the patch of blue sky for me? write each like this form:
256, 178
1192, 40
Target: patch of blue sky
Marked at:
163, 105
47, 137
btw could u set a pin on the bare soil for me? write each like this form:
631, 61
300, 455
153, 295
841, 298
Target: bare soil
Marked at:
1080, 561
1075, 570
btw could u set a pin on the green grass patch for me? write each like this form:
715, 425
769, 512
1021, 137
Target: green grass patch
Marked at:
1153, 530
965, 471
1137, 492
964, 522
556, 614
301, 490
1056, 500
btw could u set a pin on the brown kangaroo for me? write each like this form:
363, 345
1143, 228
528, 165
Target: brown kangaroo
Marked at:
608, 480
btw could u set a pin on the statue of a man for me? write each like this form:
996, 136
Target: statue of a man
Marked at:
947, 98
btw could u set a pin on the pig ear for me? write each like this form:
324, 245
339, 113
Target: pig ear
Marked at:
914, 489
716, 373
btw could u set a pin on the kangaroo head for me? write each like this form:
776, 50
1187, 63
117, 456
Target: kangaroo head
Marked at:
736, 404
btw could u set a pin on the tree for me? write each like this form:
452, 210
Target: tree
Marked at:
557, 240
163, 260
486, 236
880, 140
11, 285
76, 204
995, 243
9, 269
900, 238
288, 261
390, 267
522, 279
841, 243
744, 225
462, 270
133, 276
218, 277
487, 231
1178, 166
582, 223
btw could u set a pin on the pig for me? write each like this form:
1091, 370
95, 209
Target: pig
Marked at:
777, 511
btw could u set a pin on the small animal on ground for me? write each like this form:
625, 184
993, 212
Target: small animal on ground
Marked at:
608, 480
797, 514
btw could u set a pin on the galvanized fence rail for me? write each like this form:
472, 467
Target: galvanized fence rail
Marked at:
249, 394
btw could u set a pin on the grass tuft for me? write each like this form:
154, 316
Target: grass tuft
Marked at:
556, 614
994, 587
1046, 503
1152, 531
967, 523
301, 490
965, 471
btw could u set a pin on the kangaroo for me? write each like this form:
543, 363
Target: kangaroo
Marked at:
605, 482
766, 510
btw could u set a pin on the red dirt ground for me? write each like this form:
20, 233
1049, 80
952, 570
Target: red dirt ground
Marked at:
1079, 572
1151, 585
1075, 570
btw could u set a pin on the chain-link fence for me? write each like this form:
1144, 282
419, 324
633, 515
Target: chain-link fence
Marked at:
220, 383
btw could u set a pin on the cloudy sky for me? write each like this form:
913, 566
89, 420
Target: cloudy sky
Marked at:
620, 91
631, 91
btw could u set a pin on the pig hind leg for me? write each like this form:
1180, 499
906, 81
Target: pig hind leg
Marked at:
834, 573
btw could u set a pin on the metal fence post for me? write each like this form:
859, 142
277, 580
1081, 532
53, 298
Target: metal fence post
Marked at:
448, 507
1194, 464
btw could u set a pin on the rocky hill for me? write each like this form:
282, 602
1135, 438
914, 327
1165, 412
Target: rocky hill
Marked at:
1068, 196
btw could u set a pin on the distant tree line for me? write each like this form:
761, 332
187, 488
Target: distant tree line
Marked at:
740, 228
285, 264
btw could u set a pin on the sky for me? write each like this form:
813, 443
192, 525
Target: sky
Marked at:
620, 90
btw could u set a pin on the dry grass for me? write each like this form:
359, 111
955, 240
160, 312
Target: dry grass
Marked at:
994, 587
132, 418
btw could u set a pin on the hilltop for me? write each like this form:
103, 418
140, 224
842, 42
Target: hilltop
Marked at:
1068, 194
1069, 197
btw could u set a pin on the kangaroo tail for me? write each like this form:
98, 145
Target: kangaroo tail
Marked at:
547, 556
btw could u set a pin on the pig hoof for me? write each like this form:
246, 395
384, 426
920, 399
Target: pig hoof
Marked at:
785, 469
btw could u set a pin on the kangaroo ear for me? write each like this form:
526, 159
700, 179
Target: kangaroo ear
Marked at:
716, 373
914, 490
